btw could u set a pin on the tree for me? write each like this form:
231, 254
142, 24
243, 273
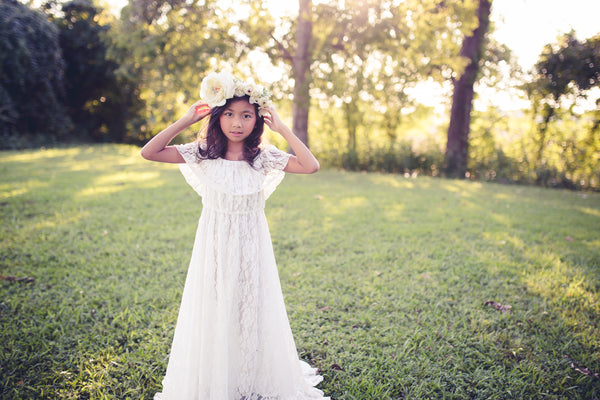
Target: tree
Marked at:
295, 47
565, 70
31, 84
455, 162
564, 75
363, 53
99, 102
168, 49
301, 62
369, 53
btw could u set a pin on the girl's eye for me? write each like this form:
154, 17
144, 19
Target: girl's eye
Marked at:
247, 116
228, 114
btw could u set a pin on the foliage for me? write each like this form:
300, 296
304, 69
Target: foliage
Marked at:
417, 148
170, 53
503, 147
565, 73
394, 286
366, 54
568, 67
369, 53
58, 83
32, 83
128, 78
101, 103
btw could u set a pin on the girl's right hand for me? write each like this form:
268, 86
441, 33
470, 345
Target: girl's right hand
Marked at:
158, 149
198, 111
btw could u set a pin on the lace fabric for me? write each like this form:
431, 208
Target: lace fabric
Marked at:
232, 340
233, 177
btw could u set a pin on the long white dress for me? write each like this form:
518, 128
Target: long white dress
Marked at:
233, 340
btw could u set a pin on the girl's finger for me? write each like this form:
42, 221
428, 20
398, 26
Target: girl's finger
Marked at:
202, 107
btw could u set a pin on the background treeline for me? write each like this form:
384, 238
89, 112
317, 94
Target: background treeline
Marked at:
58, 80
72, 71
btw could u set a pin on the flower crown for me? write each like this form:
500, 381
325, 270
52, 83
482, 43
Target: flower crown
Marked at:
217, 87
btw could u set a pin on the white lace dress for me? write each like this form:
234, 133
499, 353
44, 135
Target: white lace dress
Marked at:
233, 340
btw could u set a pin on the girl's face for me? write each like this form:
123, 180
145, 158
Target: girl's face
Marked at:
238, 120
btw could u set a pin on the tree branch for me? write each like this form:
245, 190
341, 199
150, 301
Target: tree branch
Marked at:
286, 54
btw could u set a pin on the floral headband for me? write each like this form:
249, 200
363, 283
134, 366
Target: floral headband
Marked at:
217, 87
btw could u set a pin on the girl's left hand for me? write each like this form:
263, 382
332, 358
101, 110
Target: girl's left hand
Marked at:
304, 162
273, 121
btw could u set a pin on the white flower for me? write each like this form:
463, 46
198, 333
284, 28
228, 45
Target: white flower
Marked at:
241, 87
257, 95
216, 88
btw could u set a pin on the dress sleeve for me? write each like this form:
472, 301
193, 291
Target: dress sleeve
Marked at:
273, 162
192, 168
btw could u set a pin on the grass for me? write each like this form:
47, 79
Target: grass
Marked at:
386, 280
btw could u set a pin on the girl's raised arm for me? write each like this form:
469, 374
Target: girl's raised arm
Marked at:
304, 162
157, 148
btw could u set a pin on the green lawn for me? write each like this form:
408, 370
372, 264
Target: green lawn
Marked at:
386, 280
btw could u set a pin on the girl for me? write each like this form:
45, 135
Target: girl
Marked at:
232, 340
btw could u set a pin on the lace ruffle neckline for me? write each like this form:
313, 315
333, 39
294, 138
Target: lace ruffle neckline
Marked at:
235, 177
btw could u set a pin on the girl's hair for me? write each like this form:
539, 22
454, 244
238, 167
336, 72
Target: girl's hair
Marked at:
216, 141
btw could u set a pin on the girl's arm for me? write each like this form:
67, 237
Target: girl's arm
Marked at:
304, 162
157, 148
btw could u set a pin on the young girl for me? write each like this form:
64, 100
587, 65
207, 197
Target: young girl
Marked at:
232, 340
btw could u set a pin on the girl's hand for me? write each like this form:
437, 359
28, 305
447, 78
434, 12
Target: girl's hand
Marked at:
303, 162
197, 112
273, 121
158, 149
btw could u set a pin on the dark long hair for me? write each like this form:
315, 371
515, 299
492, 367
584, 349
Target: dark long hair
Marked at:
215, 145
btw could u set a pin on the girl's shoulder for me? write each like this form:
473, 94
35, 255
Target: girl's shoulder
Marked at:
270, 157
192, 152
269, 150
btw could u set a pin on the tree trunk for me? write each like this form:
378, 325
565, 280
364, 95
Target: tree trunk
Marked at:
301, 68
455, 162
541, 138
